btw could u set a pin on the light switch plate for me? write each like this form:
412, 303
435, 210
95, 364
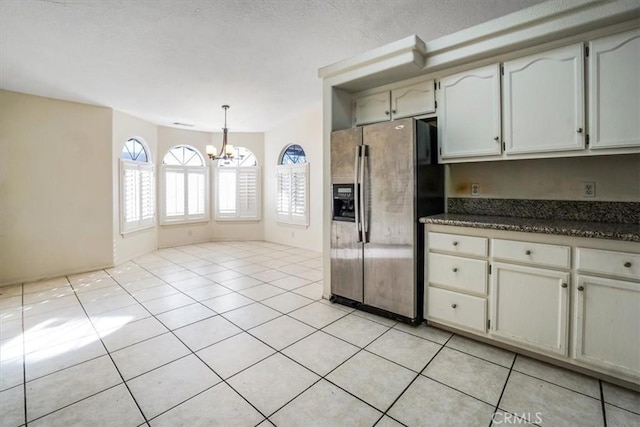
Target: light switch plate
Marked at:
588, 189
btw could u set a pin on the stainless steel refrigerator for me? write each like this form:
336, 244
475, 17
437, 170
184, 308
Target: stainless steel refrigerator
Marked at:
384, 177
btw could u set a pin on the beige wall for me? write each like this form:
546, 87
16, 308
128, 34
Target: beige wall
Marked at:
131, 245
55, 187
306, 131
617, 178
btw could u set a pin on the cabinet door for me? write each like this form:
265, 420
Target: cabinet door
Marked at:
469, 115
543, 100
372, 108
607, 327
412, 100
614, 91
530, 306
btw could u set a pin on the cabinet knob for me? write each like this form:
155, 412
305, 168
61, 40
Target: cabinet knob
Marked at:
455, 269
496, 138
393, 111
386, 113
527, 252
579, 130
454, 305
564, 285
455, 243
581, 288
627, 264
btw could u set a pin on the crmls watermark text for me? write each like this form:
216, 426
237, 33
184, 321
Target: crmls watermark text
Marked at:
507, 418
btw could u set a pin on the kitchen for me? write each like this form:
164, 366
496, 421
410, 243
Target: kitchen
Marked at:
536, 247
526, 272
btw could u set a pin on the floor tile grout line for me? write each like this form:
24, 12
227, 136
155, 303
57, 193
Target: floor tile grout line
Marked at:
110, 356
197, 356
24, 358
482, 358
557, 385
604, 409
415, 378
504, 387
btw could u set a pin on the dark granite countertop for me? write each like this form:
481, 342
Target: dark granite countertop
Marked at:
598, 230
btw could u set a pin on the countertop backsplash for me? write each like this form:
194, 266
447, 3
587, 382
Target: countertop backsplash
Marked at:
572, 210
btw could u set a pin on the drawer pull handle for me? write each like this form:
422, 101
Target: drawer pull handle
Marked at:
564, 285
581, 288
455, 243
627, 264
454, 305
527, 252
455, 269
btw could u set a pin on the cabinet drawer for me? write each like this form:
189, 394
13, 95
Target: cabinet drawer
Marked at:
618, 264
531, 253
460, 273
460, 309
464, 245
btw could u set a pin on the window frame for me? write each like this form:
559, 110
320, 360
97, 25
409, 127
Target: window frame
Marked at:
186, 217
239, 214
288, 214
141, 167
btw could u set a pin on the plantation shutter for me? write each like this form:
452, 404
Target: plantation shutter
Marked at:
147, 193
138, 196
238, 193
283, 196
299, 200
292, 203
185, 194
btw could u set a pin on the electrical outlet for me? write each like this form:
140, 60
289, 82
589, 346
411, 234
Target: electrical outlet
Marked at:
589, 189
475, 189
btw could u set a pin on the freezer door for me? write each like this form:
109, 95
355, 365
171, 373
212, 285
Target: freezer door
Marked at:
388, 217
346, 261
346, 247
343, 148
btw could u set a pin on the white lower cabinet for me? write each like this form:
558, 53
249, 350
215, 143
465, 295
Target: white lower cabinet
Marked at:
576, 300
606, 332
457, 308
530, 306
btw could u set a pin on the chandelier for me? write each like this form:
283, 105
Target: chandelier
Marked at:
226, 152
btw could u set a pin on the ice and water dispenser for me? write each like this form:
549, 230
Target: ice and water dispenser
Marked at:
344, 203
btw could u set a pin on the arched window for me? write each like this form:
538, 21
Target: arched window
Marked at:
185, 186
293, 154
237, 187
137, 187
292, 192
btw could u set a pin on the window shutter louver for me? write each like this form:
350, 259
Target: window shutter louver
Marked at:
137, 197
185, 194
238, 193
292, 193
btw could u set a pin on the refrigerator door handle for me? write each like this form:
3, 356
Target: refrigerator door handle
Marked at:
363, 193
356, 190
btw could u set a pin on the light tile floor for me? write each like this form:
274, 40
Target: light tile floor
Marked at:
237, 334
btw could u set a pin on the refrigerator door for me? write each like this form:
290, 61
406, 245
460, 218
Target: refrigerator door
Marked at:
388, 217
346, 245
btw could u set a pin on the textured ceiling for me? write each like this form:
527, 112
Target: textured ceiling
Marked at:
179, 60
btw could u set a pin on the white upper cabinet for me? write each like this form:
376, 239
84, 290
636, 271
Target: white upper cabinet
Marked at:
407, 101
543, 100
412, 100
614, 91
372, 108
469, 114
